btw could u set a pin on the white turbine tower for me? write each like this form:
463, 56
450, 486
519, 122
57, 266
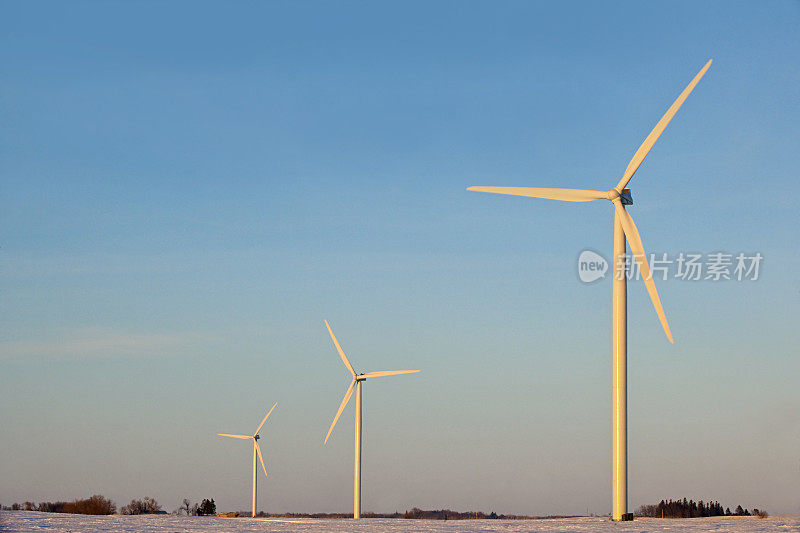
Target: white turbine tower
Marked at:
624, 229
356, 383
256, 452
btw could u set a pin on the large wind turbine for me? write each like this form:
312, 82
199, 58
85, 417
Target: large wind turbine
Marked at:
256, 452
624, 230
356, 383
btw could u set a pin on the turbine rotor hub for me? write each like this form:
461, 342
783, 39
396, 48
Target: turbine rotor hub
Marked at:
624, 196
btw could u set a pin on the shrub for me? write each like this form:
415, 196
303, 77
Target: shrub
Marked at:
96, 505
146, 505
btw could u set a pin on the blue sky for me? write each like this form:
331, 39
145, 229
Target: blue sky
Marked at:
189, 189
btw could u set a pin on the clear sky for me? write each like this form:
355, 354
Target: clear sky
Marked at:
188, 189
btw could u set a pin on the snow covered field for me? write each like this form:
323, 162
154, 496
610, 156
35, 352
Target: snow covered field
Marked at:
62, 523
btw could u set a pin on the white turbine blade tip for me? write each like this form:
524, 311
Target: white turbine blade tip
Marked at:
567, 195
637, 247
659, 128
265, 419
388, 373
341, 408
260, 458
339, 349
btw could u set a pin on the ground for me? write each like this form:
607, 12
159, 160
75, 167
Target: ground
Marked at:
63, 523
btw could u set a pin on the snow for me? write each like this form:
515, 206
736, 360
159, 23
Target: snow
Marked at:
63, 523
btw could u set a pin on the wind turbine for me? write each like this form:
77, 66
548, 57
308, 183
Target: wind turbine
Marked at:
256, 452
624, 230
358, 379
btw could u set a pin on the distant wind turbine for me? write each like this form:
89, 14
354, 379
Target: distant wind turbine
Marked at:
624, 229
256, 452
356, 383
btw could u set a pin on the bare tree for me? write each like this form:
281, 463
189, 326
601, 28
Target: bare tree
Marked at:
186, 507
146, 505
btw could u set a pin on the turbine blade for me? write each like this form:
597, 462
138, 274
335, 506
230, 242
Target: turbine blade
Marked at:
235, 436
569, 195
635, 240
388, 373
341, 352
341, 408
258, 450
651, 139
265, 419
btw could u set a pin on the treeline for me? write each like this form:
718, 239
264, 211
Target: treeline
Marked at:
262, 514
415, 513
95, 505
447, 514
691, 509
